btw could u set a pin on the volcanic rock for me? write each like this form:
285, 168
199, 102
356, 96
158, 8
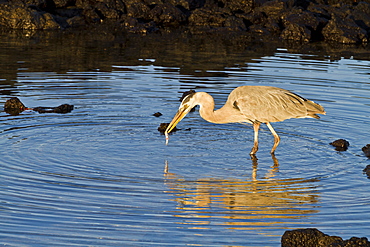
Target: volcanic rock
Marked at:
340, 144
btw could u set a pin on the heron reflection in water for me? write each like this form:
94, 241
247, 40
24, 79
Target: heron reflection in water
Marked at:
241, 203
250, 104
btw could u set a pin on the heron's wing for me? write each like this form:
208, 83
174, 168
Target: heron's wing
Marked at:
270, 104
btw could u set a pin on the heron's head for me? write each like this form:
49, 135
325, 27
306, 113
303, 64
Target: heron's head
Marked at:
186, 105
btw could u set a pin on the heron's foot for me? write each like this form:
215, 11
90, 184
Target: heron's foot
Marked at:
254, 149
275, 160
253, 157
272, 152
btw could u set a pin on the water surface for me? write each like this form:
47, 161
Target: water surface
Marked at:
102, 174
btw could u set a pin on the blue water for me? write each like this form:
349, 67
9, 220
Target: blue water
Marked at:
103, 176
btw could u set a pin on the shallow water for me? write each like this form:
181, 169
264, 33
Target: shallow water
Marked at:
102, 174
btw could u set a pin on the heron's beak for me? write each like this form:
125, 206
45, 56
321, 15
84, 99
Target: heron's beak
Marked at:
180, 114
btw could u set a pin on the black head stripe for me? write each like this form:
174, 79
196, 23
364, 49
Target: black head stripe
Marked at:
187, 98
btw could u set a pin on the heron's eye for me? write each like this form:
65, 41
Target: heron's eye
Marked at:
184, 105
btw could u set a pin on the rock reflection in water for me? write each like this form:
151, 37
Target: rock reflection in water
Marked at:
242, 204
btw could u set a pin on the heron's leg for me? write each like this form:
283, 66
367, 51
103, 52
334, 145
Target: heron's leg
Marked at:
256, 127
276, 137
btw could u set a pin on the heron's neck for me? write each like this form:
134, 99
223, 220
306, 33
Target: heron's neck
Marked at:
223, 115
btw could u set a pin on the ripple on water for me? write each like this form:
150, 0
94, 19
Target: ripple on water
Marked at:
95, 176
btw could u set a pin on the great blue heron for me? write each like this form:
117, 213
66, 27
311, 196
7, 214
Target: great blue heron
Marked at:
250, 104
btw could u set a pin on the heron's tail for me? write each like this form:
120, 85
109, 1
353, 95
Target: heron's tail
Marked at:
313, 109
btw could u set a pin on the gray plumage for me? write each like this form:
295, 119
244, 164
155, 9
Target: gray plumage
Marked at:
250, 104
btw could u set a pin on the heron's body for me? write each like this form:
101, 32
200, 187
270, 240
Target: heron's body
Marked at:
250, 104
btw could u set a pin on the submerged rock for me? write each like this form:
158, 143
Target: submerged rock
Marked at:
163, 126
14, 103
307, 238
65, 108
367, 171
366, 150
14, 106
311, 237
340, 144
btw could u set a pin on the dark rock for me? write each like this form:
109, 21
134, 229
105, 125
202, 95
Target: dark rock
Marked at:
167, 15
68, 12
266, 18
361, 15
58, 4
311, 237
367, 171
340, 2
163, 126
188, 4
344, 31
303, 26
207, 18
235, 24
30, 15
340, 144
104, 11
21, 16
257, 17
95, 11
14, 103
135, 26
319, 10
41, 4
217, 19
139, 11
239, 6
296, 32
259, 29
272, 27
76, 21
14, 106
65, 108
307, 238
366, 150
352, 242
346, 22
273, 9
157, 114
91, 16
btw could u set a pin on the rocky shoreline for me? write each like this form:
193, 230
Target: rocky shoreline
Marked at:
311, 237
346, 22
